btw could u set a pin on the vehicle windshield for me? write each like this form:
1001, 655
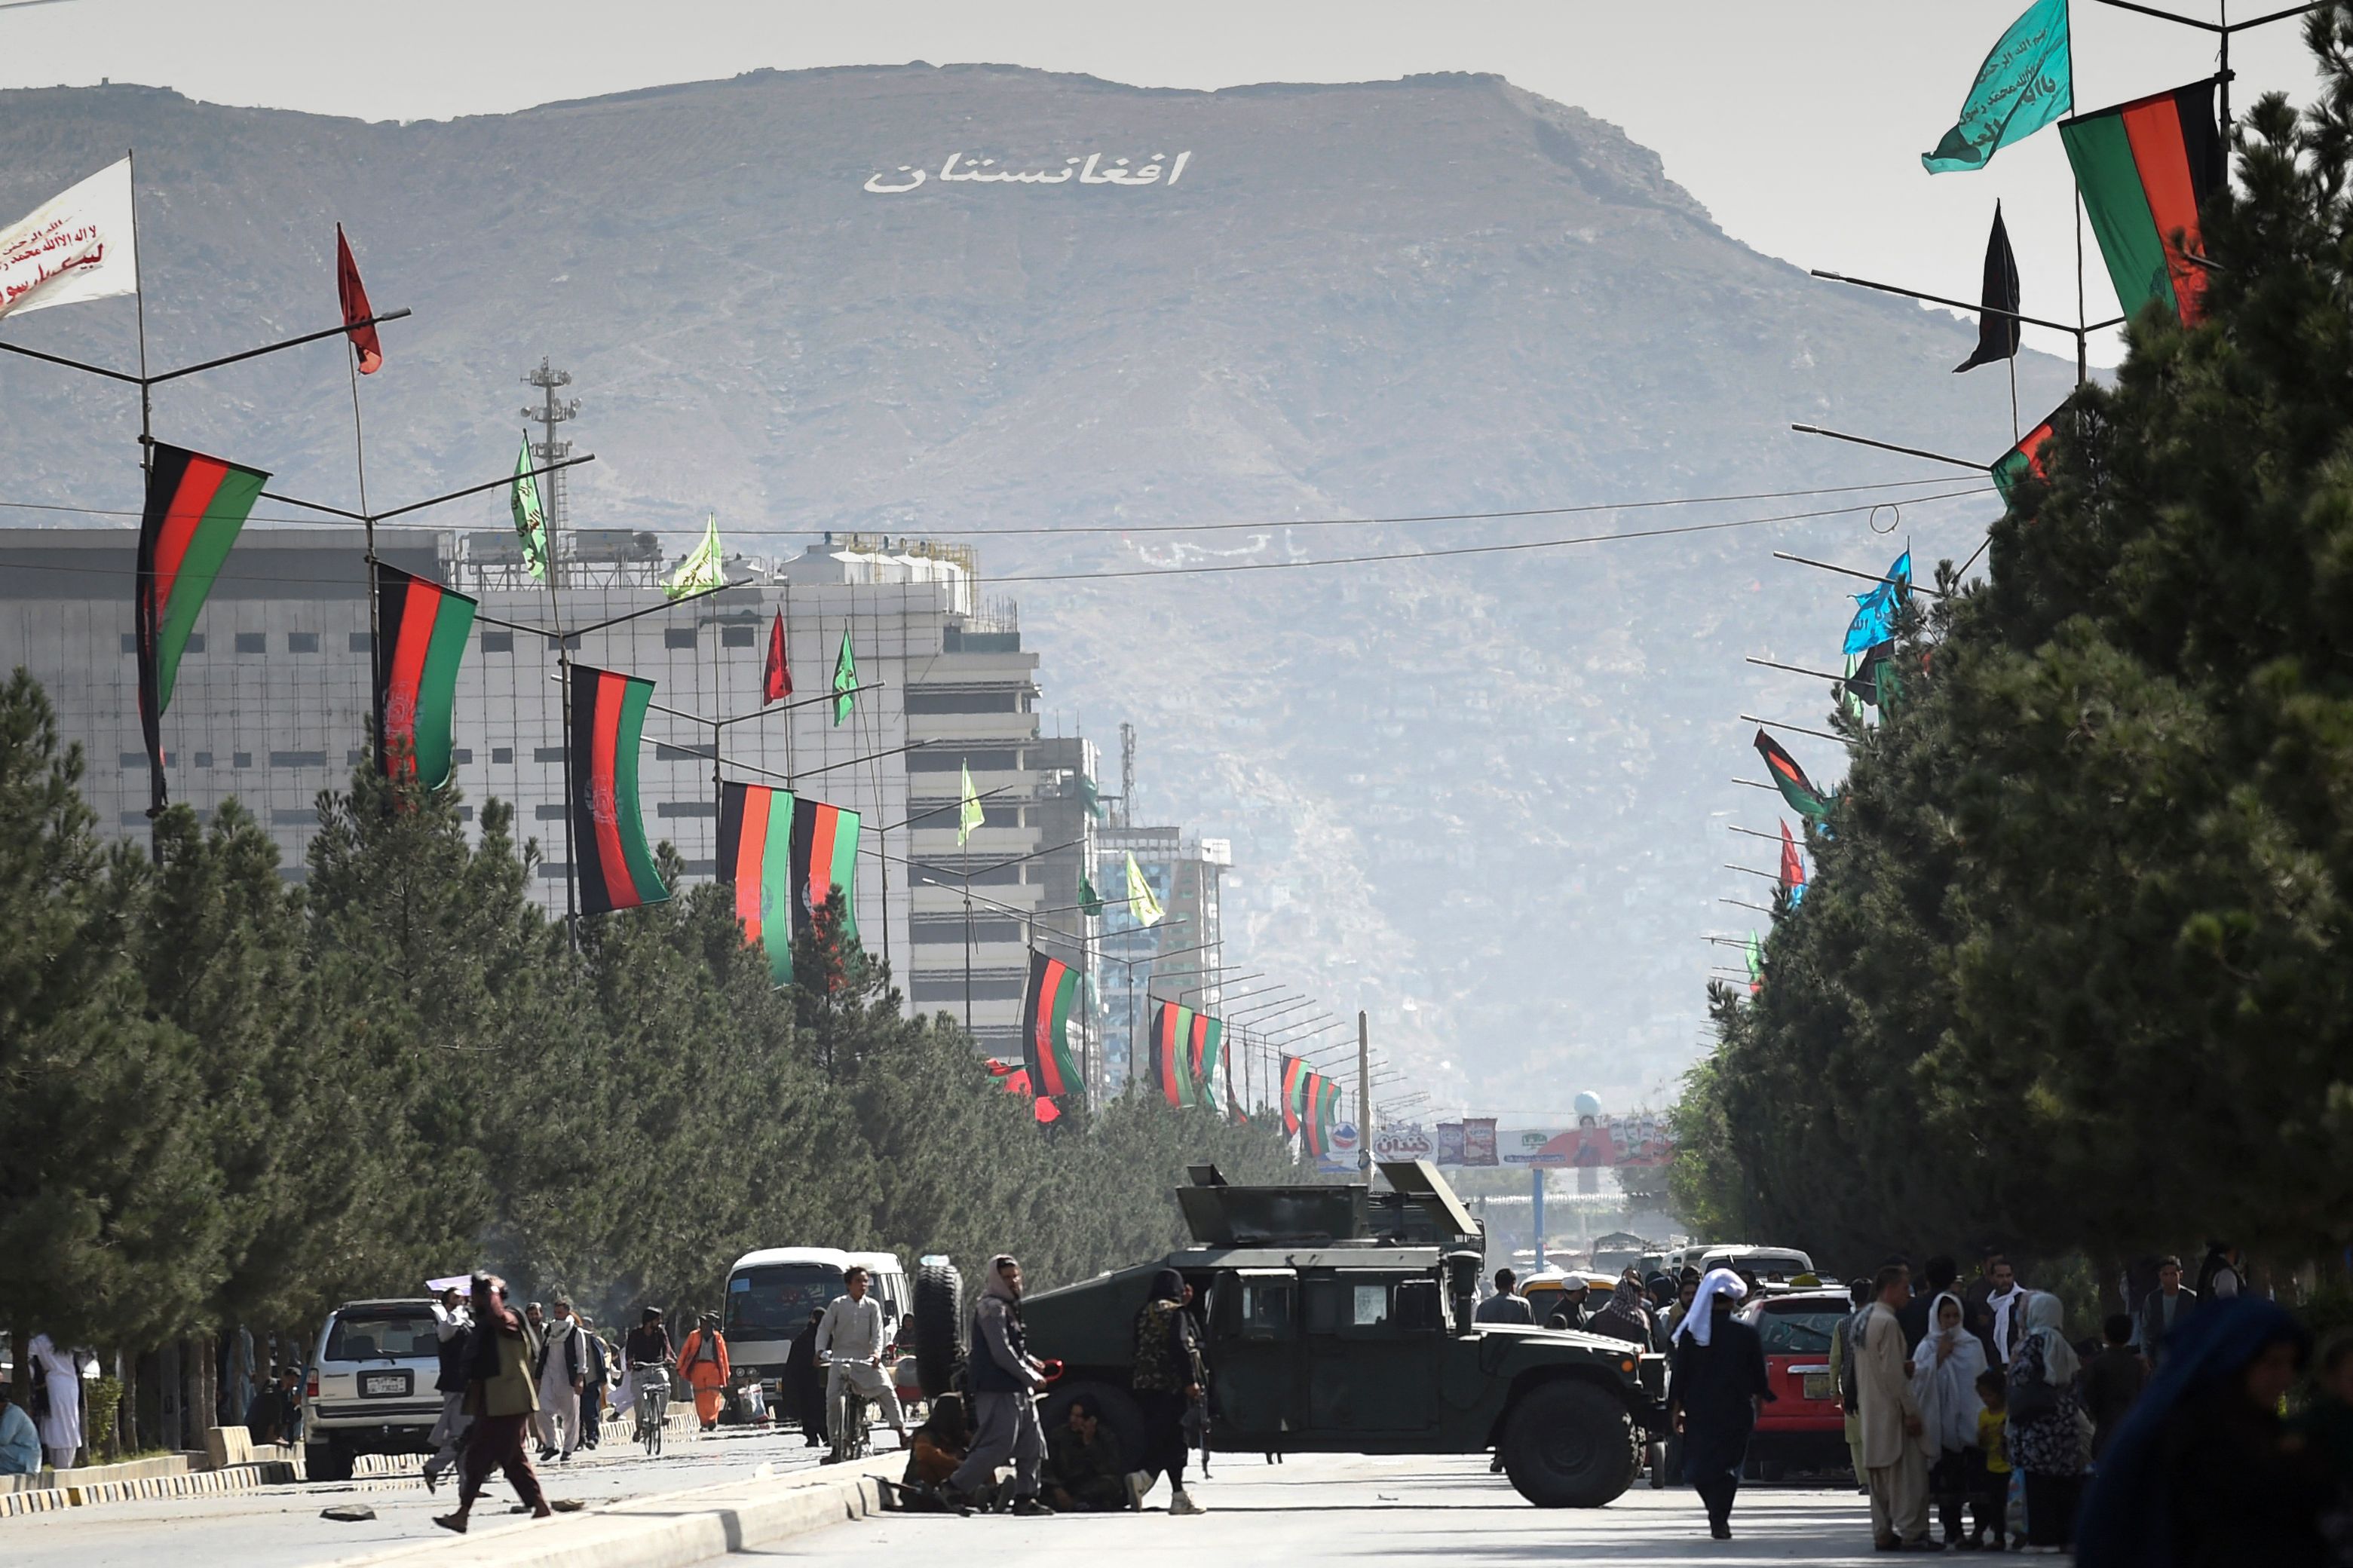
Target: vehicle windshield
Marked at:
371, 1333
1798, 1330
775, 1302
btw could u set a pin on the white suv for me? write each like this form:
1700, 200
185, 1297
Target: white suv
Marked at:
370, 1388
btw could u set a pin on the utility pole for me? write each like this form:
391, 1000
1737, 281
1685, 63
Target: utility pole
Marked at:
1126, 774
1364, 1098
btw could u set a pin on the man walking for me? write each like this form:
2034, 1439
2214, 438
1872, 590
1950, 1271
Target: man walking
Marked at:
1005, 1383
850, 1339
500, 1397
2005, 1300
703, 1361
2162, 1309
453, 1326
599, 1369
1894, 1446
563, 1378
1505, 1306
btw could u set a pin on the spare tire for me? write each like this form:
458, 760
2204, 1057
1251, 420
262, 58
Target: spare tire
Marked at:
1569, 1445
939, 1328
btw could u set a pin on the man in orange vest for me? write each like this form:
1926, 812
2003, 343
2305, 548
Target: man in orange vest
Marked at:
704, 1361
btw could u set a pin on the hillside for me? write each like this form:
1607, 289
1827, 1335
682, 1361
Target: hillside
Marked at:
1481, 795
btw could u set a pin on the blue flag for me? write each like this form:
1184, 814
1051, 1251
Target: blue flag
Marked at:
1875, 613
2027, 82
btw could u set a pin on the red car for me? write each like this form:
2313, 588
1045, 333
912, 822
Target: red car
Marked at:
1805, 1427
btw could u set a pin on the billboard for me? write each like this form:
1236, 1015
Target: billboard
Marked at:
1476, 1142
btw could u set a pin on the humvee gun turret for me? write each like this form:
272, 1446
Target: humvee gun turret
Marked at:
1337, 1320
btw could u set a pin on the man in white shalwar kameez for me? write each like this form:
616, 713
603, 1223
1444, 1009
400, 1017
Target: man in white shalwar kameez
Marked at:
850, 1339
61, 1428
1894, 1440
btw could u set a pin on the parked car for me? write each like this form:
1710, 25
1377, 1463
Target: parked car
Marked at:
1771, 1265
1805, 1427
370, 1387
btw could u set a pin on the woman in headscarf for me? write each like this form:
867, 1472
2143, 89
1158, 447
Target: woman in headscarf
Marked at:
1717, 1383
2044, 1442
2200, 1473
1945, 1367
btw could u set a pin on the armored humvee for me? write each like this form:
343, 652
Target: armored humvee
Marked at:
1338, 1320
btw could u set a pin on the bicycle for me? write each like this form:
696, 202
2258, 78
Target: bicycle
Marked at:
653, 1408
851, 1432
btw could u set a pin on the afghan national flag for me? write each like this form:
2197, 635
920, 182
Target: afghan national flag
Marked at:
1209, 1049
530, 512
784, 855
845, 679
2024, 461
1791, 780
1999, 329
1793, 868
359, 319
1294, 1092
421, 635
195, 505
777, 683
2145, 168
1172, 1069
1323, 1105
1046, 1010
608, 830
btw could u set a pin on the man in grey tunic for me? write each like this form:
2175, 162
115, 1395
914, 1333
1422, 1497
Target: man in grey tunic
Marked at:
850, 1339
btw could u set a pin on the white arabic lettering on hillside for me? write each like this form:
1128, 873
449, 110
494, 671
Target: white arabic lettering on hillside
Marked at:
1092, 169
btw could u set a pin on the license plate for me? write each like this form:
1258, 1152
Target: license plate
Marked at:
384, 1384
1818, 1385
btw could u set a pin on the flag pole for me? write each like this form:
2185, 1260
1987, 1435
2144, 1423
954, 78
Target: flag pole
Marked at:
375, 612
563, 703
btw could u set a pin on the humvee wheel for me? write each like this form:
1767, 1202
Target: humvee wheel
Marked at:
939, 1328
1568, 1445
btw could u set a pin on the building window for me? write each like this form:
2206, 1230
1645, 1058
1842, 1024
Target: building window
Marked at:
667, 753
571, 641
940, 987
554, 870
701, 867
1004, 700
295, 874
498, 642
134, 819
296, 758
130, 642
301, 642
503, 756
352, 758
253, 642
363, 642
294, 816
687, 809
196, 643
461, 753
465, 814
678, 636
241, 759
204, 759
547, 813
547, 754
947, 760
735, 637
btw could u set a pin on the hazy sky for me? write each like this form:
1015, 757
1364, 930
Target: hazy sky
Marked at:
1797, 123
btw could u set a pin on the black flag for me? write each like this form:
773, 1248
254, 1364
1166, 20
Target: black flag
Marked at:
1996, 334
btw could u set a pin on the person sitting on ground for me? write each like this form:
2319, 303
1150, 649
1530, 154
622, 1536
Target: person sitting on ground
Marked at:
1506, 1305
936, 1448
20, 1441
1084, 1469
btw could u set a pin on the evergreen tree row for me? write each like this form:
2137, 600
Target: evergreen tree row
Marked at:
2072, 970
224, 1100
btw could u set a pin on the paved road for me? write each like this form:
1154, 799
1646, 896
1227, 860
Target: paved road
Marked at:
280, 1527
1446, 1512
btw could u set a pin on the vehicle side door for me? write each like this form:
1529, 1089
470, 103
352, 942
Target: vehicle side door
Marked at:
1254, 1353
1372, 1350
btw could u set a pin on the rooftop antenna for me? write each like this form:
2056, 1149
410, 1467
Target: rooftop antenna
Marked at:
1126, 774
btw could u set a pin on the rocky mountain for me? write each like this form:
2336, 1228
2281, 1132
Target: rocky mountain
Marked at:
1481, 795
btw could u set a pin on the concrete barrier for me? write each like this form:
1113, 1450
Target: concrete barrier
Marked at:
675, 1530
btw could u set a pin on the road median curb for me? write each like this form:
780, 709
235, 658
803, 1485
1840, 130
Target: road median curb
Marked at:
669, 1529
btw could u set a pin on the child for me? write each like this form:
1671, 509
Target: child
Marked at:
1993, 1479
